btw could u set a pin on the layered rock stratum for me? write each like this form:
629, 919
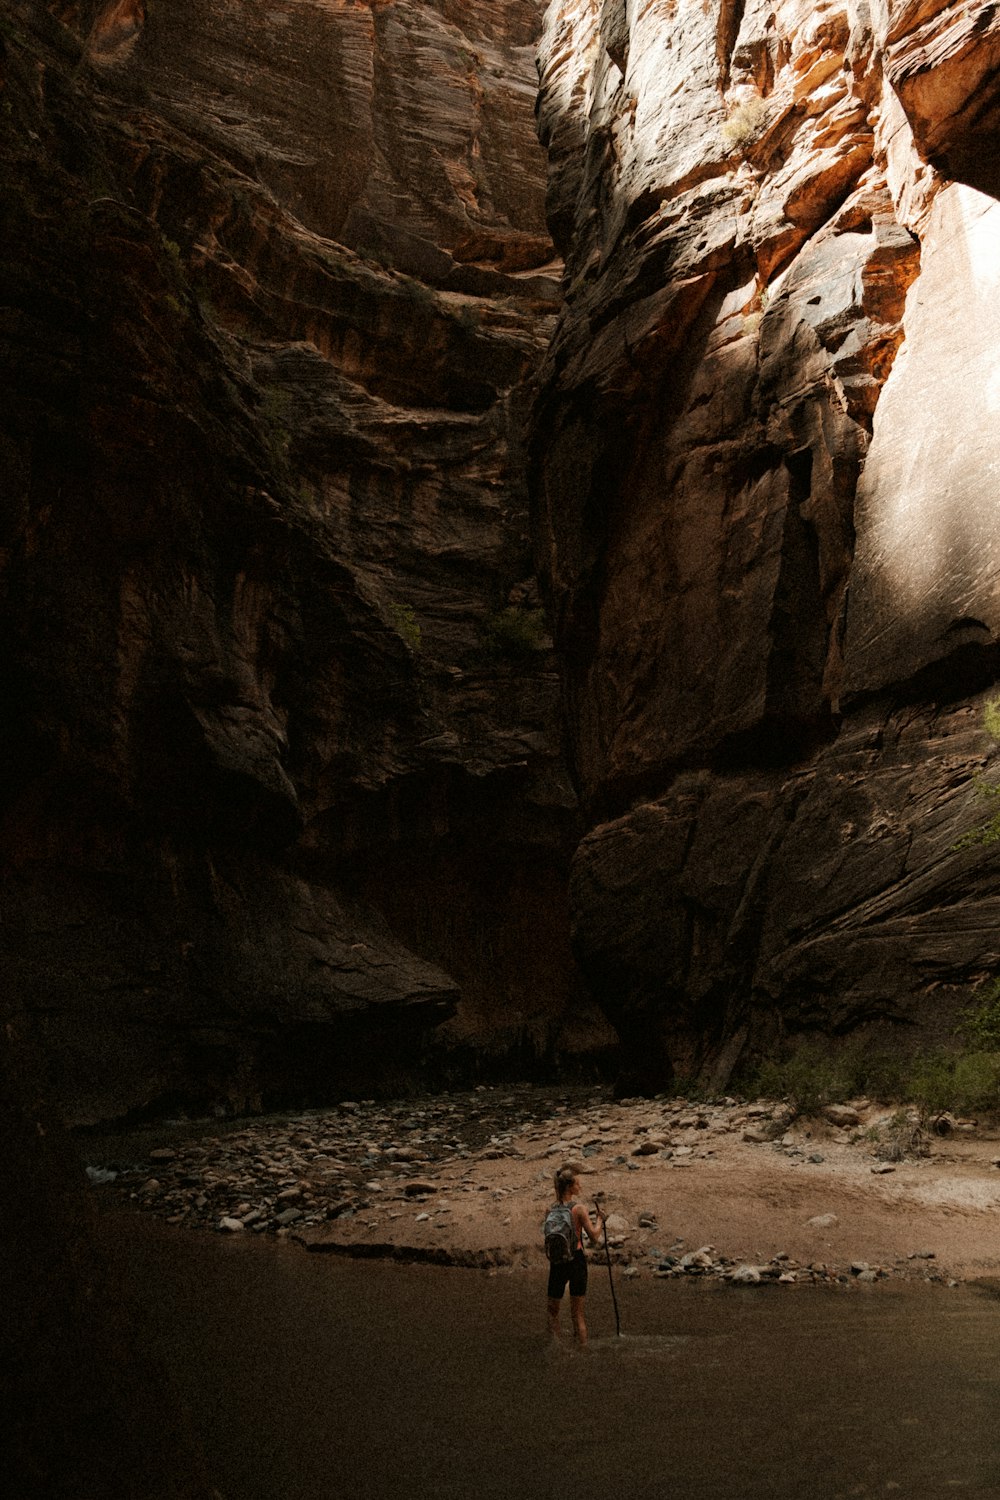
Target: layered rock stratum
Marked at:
763, 465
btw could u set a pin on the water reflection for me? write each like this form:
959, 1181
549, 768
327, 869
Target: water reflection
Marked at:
312, 1377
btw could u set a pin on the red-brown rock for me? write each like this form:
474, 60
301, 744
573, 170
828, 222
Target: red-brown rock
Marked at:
762, 468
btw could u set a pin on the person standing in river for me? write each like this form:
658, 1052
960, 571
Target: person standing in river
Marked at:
572, 1273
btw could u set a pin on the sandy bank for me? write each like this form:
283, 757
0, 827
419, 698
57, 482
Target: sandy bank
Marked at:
467, 1177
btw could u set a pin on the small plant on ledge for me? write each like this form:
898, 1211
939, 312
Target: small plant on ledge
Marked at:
404, 623
979, 1024
744, 123
513, 634
988, 832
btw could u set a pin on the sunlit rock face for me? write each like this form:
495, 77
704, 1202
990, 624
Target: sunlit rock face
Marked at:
275, 671
925, 576
763, 467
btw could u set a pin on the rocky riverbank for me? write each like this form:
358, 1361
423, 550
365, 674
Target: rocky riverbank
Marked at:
737, 1190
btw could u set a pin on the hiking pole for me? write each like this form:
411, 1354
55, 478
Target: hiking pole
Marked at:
611, 1279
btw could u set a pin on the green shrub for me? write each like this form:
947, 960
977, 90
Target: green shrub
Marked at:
804, 1079
979, 1024
404, 623
988, 832
960, 1082
991, 718
977, 1082
933, 1081
513, 633
812, 1075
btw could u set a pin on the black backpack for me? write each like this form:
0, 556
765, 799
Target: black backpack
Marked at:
560, 1234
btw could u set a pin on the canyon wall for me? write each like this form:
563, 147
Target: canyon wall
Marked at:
284, 803
763, 466
312, 372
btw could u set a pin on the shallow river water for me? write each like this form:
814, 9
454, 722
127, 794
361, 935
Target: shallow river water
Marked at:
313, 1378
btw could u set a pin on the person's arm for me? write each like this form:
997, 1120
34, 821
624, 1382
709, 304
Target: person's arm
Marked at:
586, 1223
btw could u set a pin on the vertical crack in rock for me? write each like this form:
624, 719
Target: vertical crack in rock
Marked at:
615, 31
798, 625
727, 31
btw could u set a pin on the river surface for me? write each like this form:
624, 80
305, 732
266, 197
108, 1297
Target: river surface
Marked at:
310, 1377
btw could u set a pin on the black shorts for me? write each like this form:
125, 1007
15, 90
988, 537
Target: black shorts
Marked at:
572, 1271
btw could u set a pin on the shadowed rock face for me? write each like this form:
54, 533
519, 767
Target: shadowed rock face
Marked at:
762, 467
941, 61
275, 672
88, 1411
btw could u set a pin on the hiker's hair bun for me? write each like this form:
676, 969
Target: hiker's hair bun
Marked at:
565, 1177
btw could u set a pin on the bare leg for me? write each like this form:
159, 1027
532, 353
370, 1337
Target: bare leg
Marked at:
579, 1321
554, 1306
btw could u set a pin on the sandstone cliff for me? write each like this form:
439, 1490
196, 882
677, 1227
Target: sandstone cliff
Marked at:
763, 469
284, 782
284, 729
